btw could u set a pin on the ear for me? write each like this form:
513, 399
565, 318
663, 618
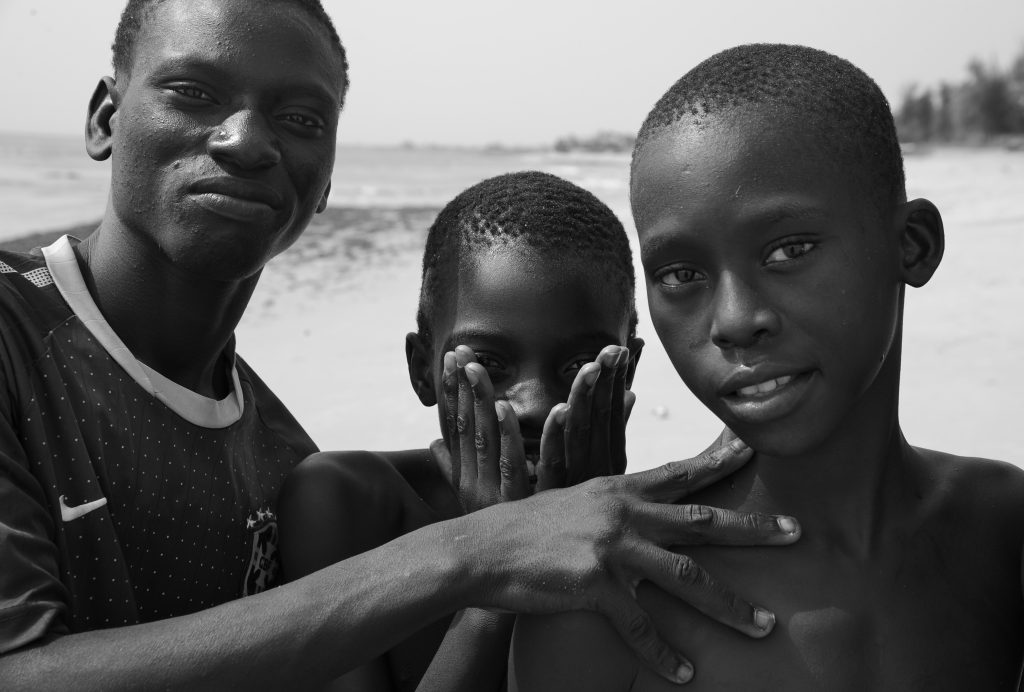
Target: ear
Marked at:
98, 127
922, 241
421, 370
323, 200
636, 347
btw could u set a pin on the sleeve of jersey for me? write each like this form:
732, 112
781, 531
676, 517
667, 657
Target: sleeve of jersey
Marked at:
33, 601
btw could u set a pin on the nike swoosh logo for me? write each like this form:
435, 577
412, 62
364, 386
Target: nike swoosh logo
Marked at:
72, 513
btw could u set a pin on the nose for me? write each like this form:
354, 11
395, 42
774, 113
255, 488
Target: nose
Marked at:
741, 316
532, 399
245, 140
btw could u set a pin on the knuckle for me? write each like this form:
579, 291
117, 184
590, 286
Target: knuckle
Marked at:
679, 471
640, 629
699, 517
686, 571
506, 467
461, 424
480, 440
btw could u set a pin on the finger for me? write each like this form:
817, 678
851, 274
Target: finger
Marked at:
674, 525
515, 477
602, 457
551, 467
677, 479
578, 423
486, 436
450, 385
683, 578
465, 425
638, 631
622, 404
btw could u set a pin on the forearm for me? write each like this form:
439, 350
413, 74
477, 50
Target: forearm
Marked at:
295, 636
473, 655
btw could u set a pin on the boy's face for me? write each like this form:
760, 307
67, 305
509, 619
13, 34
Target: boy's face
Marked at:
223, 135
772, 281
532, 324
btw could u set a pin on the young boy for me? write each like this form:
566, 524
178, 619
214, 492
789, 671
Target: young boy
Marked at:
768, 192
527, 279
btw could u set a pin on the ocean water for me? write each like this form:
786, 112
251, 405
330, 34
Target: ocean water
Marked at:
326, 326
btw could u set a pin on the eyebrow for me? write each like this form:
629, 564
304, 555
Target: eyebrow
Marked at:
172, 66
469, 335
770, 215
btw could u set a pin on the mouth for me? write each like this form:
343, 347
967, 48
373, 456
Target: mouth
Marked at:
243, 200
532, 455
766, 399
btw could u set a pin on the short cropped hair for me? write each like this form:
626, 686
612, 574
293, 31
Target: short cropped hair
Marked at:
833, 101
134, 15
541, 210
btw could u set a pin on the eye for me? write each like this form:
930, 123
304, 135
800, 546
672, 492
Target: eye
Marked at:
303, 120
574, 366
677, 276
495, 367
789, 251
191, 91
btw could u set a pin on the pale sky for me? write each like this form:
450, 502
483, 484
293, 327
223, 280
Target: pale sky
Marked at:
475, 72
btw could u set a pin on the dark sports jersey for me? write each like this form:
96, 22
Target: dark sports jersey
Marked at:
124, 497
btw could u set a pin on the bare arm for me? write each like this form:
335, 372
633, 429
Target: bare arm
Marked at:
581, 548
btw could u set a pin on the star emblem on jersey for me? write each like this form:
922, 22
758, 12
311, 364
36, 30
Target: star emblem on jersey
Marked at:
71, 513
263, 561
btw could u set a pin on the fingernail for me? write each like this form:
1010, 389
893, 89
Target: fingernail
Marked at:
623, 356
499, 411
449, 363
591, 377
763, 619
472, 376
684, 673
738, 446
561, 414
787, 524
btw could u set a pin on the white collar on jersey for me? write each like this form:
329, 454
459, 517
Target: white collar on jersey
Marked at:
195, 408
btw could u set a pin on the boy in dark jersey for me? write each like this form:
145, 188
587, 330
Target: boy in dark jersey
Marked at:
777, 242
140, 458
527, 344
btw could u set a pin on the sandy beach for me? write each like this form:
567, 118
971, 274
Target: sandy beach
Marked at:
326, 326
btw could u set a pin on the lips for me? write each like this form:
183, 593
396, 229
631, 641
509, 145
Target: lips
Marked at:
759, 395
236, 198
764, 387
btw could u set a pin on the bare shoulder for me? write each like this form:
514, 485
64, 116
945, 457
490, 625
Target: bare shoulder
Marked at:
333, 472
988, 484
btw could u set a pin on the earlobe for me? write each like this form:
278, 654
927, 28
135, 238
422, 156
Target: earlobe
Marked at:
421, 374
922, 242
636, 347
98, 127
323, 200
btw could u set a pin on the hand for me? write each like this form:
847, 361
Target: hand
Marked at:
587, 548
586, 437
485, 447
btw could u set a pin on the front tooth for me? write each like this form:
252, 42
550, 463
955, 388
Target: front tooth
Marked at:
748, 391
767, 386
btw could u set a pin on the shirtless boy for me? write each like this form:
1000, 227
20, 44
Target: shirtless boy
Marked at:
527, 303
768, 192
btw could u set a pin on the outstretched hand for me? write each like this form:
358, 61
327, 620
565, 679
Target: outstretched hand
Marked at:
583, 438
589, 546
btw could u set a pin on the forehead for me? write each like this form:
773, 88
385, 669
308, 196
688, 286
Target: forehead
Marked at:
255, 36
739, 167
521, 292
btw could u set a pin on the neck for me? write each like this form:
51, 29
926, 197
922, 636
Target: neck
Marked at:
174, 322
849, 486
